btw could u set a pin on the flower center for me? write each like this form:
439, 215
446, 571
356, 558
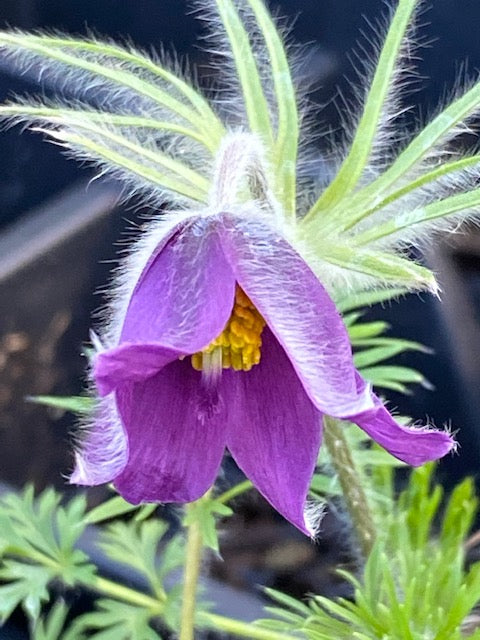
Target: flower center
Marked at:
238, 346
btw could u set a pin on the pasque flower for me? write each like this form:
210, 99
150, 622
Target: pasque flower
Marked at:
223, 332
227, 339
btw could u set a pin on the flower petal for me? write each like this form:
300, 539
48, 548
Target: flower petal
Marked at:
176, 436
184, 296
102, 453
129, 363
274, 431
415, 446
298, 310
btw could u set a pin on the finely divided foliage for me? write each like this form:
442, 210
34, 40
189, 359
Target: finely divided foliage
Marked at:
413, 586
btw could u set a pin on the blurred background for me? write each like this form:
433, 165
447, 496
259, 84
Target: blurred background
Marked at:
59, 234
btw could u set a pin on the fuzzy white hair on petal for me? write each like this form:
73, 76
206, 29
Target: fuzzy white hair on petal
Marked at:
102, 449
313, 515
131, 268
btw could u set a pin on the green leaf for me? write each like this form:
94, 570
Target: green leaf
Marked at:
425, 141
135, 545
115, 620
354, 164
448, 206
120, 67
385, 375
367, 330
325, 486
51, 627
459, 513
407, 345
368, 298
75, 404
42, 525
110, 509
444, 168
287, 601
65, 115
286, 144
372, 457
98, 143
38, 539
350, 319
385, 351
172, 556
390, 269
145, 511
204, 514
414, 583
255, 102
26, 585
173, 607
210, 123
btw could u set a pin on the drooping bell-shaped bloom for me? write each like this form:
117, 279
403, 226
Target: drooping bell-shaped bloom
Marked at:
228, 340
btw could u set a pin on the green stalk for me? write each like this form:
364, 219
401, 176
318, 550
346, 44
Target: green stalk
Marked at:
191, 574
243, 629
235, 491
350, 481
126, 594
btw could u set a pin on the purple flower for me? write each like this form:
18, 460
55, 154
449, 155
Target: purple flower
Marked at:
227, 339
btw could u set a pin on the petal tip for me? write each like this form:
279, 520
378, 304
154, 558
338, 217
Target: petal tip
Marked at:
79, 475
312, 517
441, 443
430, 445
413, 445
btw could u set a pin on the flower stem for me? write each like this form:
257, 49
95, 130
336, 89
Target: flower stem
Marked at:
191, 573
352, 488
132, 596
235, 491
243, 629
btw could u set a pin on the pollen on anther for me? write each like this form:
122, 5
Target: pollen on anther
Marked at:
240, 341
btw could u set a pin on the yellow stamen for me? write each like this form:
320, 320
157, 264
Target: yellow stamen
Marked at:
239, 343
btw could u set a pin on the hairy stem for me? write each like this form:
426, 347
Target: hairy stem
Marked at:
243, 629
350, 481
193, 561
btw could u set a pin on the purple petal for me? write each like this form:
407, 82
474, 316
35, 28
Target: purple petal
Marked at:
103, 450
184, 297
176, 436
129, 363
298, 310
411, 445
274, 431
